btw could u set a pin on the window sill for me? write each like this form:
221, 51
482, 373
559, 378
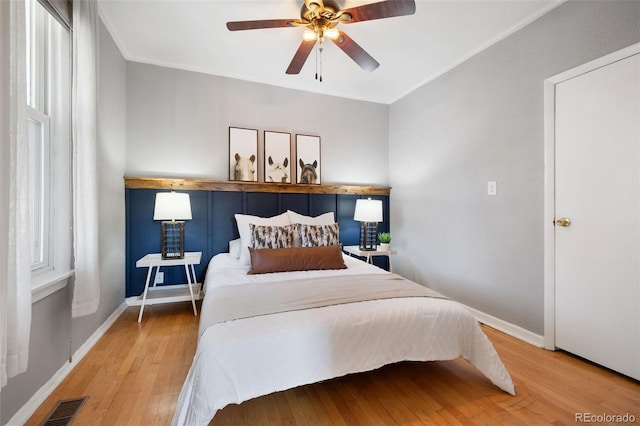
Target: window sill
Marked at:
47, 284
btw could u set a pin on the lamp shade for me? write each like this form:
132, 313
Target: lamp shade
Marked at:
172, 206
368, 210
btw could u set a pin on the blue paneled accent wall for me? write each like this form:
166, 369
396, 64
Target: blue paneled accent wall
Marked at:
213, 224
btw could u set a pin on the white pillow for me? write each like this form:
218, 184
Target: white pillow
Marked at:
323, 219
243, 221
234, 248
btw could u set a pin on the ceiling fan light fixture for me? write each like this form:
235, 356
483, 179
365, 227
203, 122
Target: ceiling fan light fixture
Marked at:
309, 35
332, 33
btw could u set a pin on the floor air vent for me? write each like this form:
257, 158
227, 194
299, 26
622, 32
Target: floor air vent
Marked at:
64, 412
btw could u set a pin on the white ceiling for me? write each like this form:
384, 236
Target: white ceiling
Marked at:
411, 50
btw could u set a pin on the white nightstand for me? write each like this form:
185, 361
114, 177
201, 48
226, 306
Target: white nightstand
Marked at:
170, 293
355, 251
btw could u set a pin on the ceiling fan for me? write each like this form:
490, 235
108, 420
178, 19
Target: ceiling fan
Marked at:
321, 17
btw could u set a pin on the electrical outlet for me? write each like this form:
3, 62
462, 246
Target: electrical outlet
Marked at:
160, 278
492, 188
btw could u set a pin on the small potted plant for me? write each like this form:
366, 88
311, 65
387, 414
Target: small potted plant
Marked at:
385, 240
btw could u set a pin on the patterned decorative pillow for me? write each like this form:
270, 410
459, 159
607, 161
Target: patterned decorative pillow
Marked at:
269, 237
318, 235
243, 221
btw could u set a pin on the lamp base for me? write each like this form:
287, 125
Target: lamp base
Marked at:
368, 236
172, 239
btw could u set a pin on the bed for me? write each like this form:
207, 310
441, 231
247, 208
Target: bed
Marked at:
243, 355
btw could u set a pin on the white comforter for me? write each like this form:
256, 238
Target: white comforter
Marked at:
243, 359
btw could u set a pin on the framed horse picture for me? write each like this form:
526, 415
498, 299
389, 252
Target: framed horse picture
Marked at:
277, 157
243, 154
308, 159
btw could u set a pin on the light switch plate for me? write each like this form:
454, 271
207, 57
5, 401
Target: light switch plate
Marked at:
492, 188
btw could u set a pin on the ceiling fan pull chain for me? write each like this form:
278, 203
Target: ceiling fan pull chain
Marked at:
316, 61
321, 45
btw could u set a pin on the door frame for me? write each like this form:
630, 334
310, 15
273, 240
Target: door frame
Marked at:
549, 180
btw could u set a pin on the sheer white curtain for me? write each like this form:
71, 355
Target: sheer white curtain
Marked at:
15, 255
86, 294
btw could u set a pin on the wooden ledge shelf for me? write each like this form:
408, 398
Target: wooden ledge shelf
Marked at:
213, 185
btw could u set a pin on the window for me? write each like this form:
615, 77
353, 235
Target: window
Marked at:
49, 137
39, 143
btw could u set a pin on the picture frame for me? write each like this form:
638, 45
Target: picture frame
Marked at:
308, 164
243, 154
277, 157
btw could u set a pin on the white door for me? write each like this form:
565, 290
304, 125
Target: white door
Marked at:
598, 189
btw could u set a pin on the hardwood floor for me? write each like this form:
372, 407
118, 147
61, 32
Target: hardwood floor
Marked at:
133, 375
135, 372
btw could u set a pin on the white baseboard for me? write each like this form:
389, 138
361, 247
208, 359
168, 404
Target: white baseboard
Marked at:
508, 328
27, 410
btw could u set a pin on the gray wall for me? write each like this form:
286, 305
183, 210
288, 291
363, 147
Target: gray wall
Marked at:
48, 351
480, 122
52, 329
178, 121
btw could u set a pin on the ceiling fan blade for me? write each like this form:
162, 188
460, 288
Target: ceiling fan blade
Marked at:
260, 24
301, 56
383, 9
355, 52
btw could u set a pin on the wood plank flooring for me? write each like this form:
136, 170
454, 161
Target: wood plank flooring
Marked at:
135, 372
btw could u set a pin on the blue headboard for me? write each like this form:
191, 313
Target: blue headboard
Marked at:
213, 205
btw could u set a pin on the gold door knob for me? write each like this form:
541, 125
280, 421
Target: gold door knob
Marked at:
565, 222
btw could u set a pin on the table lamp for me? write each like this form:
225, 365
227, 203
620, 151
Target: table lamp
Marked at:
368, 212
173, 209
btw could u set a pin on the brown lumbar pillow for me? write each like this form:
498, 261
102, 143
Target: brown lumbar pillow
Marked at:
295, 259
